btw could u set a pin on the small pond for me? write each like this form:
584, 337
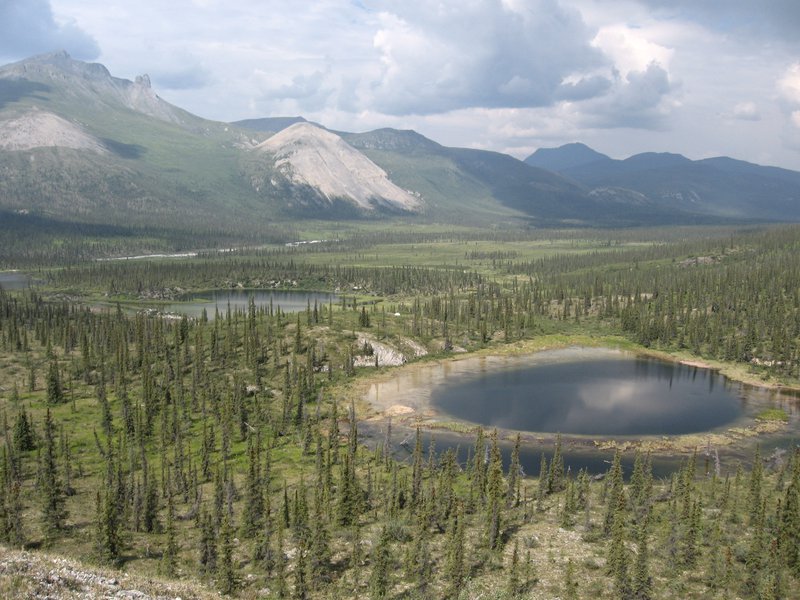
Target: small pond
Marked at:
192, 305
15, 280
596, 395
590, 395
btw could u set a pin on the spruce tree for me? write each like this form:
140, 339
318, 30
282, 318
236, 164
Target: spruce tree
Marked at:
642, 584
55, 393
616, 490
494, 494
169, 557
227, 581
570, 583
208, 545
24, 435
455, 552
108, 539
555, 476
514, 583
618, 560
514, 474
381, 560
53, 498
789, 523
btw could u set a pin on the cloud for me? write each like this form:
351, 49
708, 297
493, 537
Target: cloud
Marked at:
638, 100
789, 85
745, 111
310, 92
484, 53
188, 78
789, 90
28, 27
779, 18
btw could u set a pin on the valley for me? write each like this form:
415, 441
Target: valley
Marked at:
226, 351
132, 438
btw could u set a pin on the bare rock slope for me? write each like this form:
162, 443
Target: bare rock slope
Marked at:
40, 129
309, 155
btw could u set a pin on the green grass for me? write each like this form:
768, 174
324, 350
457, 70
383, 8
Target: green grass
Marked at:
773, 414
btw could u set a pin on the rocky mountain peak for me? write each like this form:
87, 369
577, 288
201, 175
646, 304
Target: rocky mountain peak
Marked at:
309, 155
143, 80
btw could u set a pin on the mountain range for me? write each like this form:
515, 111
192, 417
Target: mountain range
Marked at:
79, 144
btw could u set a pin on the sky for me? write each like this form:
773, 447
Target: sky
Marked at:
697, 77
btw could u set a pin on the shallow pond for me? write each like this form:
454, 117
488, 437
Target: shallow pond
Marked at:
14, 280
193, 305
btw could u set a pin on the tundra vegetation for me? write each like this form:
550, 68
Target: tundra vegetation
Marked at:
226, 449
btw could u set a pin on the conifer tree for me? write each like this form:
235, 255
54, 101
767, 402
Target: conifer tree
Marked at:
419, 563
380, 576
616, 490
494, 495
227, 580
789, 524
24, 435
514, 474
55, 392
108, 538
570, 584
642, 584
150, 522
53, 499
208, 545
169, 557
617, 563
319, 542
542, 488
455, 553
514, 584
555, 476
281, 585
254, 495
754, 486
478, 471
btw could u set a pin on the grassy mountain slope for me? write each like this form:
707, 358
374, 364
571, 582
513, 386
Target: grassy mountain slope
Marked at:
161, 162
468, 183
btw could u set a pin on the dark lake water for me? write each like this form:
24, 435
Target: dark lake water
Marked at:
13, 280
606, 396
193, 305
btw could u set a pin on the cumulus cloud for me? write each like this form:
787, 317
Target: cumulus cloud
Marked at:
485, 53
310, 92
789, 89
637, 100
789, 85
28, 27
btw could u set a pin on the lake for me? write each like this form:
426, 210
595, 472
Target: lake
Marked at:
587, 394
14, 280
597, 395
192, 305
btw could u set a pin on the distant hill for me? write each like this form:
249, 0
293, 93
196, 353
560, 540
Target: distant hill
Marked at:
270, 124
564, 157
719, 187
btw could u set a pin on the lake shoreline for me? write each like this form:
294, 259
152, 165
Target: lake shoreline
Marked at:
419, 413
